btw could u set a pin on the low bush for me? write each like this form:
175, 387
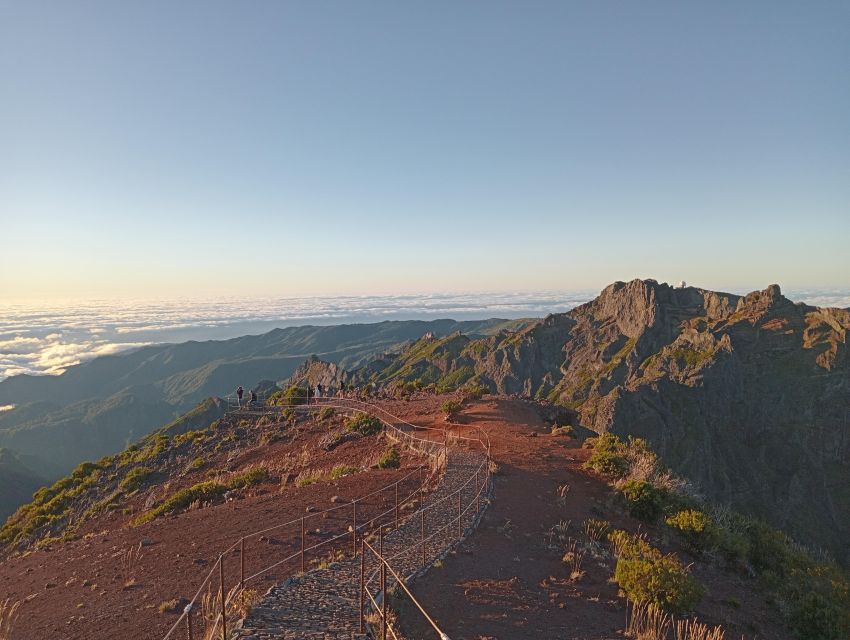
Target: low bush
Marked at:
695, 526
201, 492
474, 391
609, 455
645, 501
364, 423
248, 478
325, 413
566, 430
341, 470
135, 479
647, 575
290, 396
306, 479
390, 459
451, 407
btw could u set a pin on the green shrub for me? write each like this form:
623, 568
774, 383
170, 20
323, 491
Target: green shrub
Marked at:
292, 395
696, 527
644, 500
474, 391
201, 492
364, 423
451, 381
609, 455
249, 478
197, 463
647, 575
452, 407
135, 479
566, 430
341, 470
306, 479
84, 470
390, 459
818, 614
325, 413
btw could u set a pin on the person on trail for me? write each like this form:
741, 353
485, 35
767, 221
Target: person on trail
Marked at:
318, 391
239, 392
253, 399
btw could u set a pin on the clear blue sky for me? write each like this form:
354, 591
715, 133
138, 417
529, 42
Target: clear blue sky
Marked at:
188, 148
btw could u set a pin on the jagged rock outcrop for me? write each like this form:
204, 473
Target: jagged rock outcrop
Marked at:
749, 397
316, 371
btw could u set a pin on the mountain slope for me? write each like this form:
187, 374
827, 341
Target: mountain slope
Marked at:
96, 408
749, 397
18, 482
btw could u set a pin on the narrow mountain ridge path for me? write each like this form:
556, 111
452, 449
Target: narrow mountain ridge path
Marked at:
324, 603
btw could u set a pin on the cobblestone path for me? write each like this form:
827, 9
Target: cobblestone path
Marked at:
324, 603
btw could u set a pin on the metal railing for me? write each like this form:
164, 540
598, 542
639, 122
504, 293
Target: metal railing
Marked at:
378, 600
436, 449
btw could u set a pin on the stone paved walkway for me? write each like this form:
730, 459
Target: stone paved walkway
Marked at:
324, 603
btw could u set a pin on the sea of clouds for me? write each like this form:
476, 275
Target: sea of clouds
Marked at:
45, 339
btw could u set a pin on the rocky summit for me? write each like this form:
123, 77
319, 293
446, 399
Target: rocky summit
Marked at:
746, 396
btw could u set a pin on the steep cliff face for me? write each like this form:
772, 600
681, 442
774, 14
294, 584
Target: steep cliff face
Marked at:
749, 397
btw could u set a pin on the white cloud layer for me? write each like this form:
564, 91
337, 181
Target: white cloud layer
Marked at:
47, 339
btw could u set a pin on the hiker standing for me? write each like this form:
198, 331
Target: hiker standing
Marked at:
253, 399
318, 391
239, 392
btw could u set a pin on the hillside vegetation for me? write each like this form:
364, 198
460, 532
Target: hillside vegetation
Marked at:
746, 396
98, 407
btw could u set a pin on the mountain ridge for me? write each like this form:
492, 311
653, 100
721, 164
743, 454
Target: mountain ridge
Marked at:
747, 396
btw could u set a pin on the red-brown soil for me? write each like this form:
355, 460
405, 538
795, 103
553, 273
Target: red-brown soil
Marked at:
76, 589
506, 581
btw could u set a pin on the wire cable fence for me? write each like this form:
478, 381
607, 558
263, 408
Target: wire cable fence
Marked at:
220, 598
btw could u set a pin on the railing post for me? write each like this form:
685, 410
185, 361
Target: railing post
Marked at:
383, 598
188, 612
241, 564
354, 529
422, 536
302, 544
223, 611
458, 515
396, 505
362, 580
477, 494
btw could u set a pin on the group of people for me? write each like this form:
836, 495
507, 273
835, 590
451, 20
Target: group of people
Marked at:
317, 391
240, 392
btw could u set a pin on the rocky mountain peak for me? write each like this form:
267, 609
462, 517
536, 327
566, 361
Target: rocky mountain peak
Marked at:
759, 303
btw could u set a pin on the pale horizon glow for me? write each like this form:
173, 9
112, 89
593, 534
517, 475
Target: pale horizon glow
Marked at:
198, 150
46, 339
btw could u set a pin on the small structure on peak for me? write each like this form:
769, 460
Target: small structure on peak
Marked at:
682, 284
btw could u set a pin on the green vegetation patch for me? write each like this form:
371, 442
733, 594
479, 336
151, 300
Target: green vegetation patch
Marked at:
451, 407
293, 395
451, 381
203, 492
609, 455
135, 479
647, 575
364, 423
390, 459
342, 470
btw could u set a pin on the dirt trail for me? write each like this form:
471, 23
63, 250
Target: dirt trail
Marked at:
508, 580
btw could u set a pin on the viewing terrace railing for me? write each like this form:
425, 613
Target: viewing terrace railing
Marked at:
214, 607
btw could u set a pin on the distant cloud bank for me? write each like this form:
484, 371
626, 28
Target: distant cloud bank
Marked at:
47, 339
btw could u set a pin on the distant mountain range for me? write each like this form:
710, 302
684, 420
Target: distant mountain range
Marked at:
98, 407
747, 396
